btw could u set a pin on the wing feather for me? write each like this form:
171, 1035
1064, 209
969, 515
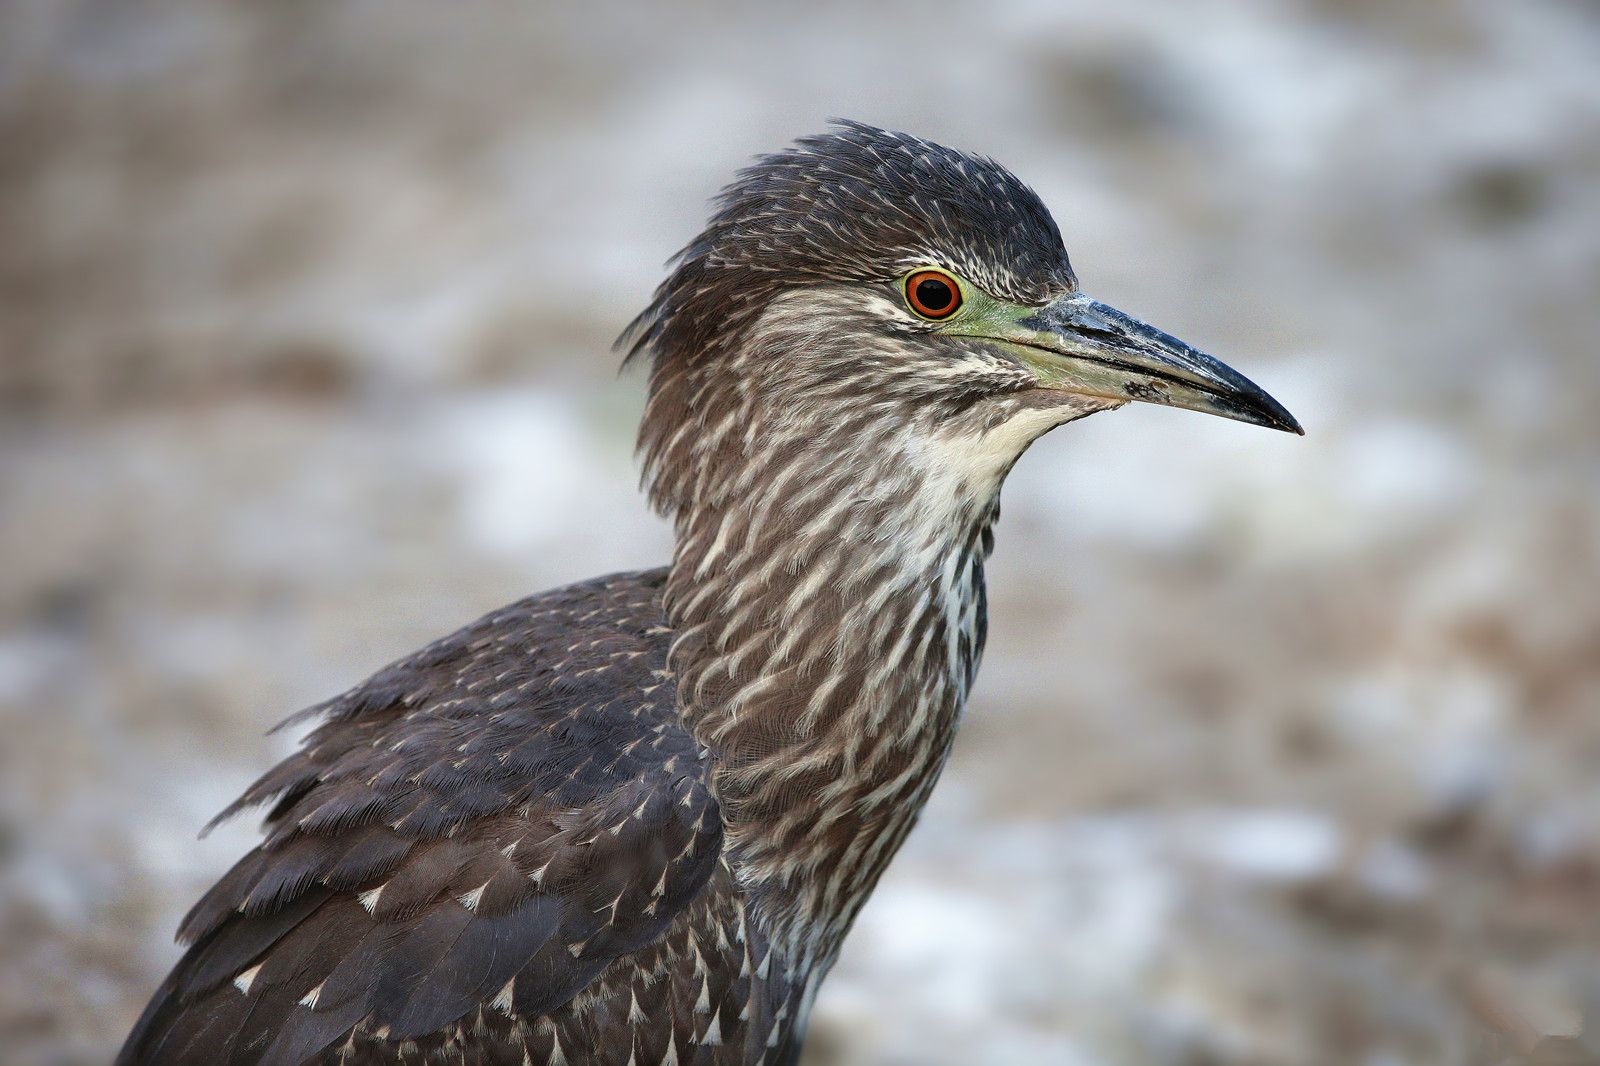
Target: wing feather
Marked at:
517, 803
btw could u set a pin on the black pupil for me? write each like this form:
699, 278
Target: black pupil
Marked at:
933, 294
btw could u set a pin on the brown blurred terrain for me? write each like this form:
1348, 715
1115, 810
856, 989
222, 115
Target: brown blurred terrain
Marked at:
1285, 750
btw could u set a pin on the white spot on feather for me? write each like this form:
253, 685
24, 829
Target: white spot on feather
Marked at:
635, 1014
369, 898
471, 899
247, 978
502, 1001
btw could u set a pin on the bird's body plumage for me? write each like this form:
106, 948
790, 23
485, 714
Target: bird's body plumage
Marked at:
631, 821
473, 837
506, 848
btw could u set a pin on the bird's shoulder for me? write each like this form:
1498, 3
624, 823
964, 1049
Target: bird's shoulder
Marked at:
493, 819
529, 697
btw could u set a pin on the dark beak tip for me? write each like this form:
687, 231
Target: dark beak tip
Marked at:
1270, 413
1254, 406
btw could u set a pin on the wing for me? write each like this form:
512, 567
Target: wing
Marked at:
490, 821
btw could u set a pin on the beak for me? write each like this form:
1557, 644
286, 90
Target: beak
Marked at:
1083, 346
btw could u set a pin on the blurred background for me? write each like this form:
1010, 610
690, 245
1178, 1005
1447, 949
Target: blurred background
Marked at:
1285, 749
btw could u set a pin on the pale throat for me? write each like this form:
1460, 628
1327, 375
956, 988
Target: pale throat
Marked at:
837, 559
827, 636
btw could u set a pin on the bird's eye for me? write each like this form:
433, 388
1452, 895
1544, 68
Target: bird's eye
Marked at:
933, 294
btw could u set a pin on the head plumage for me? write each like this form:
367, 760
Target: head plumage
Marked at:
855, 203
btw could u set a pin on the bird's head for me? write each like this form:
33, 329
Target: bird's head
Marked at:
867, 296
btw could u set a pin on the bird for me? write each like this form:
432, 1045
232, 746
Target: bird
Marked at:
631, 820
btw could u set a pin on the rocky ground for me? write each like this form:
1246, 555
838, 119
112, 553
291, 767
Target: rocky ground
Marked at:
1284, 751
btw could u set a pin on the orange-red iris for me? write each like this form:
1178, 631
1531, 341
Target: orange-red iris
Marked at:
933, 294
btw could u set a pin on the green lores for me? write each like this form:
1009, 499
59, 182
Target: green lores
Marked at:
1079, 345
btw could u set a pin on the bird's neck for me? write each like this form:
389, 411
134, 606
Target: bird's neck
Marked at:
828, 626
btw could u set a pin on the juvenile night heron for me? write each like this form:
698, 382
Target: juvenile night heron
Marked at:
632, 820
